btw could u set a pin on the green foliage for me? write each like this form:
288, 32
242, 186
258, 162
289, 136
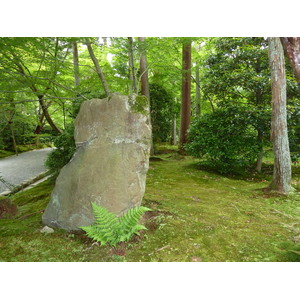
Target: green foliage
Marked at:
108, 229
163, 109
139, 105
293, 117
237, 69
65, 148
227, 138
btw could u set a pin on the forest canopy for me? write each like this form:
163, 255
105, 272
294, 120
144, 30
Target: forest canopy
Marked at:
44, 81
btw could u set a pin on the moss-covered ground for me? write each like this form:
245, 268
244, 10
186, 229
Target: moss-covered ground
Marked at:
23, 148
196, 216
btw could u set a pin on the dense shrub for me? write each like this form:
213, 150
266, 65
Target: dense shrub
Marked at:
163, 109
65, 148
227, 138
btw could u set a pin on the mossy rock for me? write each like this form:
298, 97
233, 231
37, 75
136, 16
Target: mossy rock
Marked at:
139, 104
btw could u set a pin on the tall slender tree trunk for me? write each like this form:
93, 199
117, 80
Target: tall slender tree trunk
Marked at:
282, 163
185, 93
198, 104
132, 77
76, 63
144, 81
260, 133
261, 151
11, 126
98, 68
144, 69
174, 131
39, 127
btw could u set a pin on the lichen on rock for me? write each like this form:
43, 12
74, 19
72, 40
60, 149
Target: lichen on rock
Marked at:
139, 104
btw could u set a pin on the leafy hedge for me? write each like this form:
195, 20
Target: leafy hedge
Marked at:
227, 138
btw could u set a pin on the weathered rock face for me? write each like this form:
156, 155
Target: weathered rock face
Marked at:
109, 166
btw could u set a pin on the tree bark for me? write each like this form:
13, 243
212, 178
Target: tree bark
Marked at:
261, 151
174, 131
98, 68
185, 93
282, 163
291, 46
198, 104
144, 81
132, 77
76, 64
13, 137
144, 70
39, 127
47, 115
12, 112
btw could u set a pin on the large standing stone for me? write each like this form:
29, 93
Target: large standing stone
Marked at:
109, 166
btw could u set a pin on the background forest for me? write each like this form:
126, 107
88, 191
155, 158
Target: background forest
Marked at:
44, 81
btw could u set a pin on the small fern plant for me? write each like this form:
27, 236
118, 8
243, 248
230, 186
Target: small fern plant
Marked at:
109, 229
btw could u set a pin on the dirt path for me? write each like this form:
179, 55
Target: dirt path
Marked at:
17, 169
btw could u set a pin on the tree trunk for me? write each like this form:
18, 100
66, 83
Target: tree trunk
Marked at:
282, 163
198, 104
261, 151
144, 70
144, 81
47, 115
39, 127
174, 131
185, 93
76, 64
98, 68
41, 101
132, 77
291, 46
13, 137
11, 125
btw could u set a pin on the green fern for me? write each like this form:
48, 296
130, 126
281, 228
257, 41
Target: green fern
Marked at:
108, 229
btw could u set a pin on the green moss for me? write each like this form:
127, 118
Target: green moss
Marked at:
4, 153
194, 214
139, 104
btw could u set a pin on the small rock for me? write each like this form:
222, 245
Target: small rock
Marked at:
196, 259
47, 229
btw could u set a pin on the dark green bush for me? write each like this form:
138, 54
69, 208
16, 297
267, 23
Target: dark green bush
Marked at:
65, 148
227, 138
163, 109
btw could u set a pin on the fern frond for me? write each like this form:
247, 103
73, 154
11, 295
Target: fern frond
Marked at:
108, 229
129, 222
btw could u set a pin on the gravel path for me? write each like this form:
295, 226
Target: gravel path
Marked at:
16, 169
